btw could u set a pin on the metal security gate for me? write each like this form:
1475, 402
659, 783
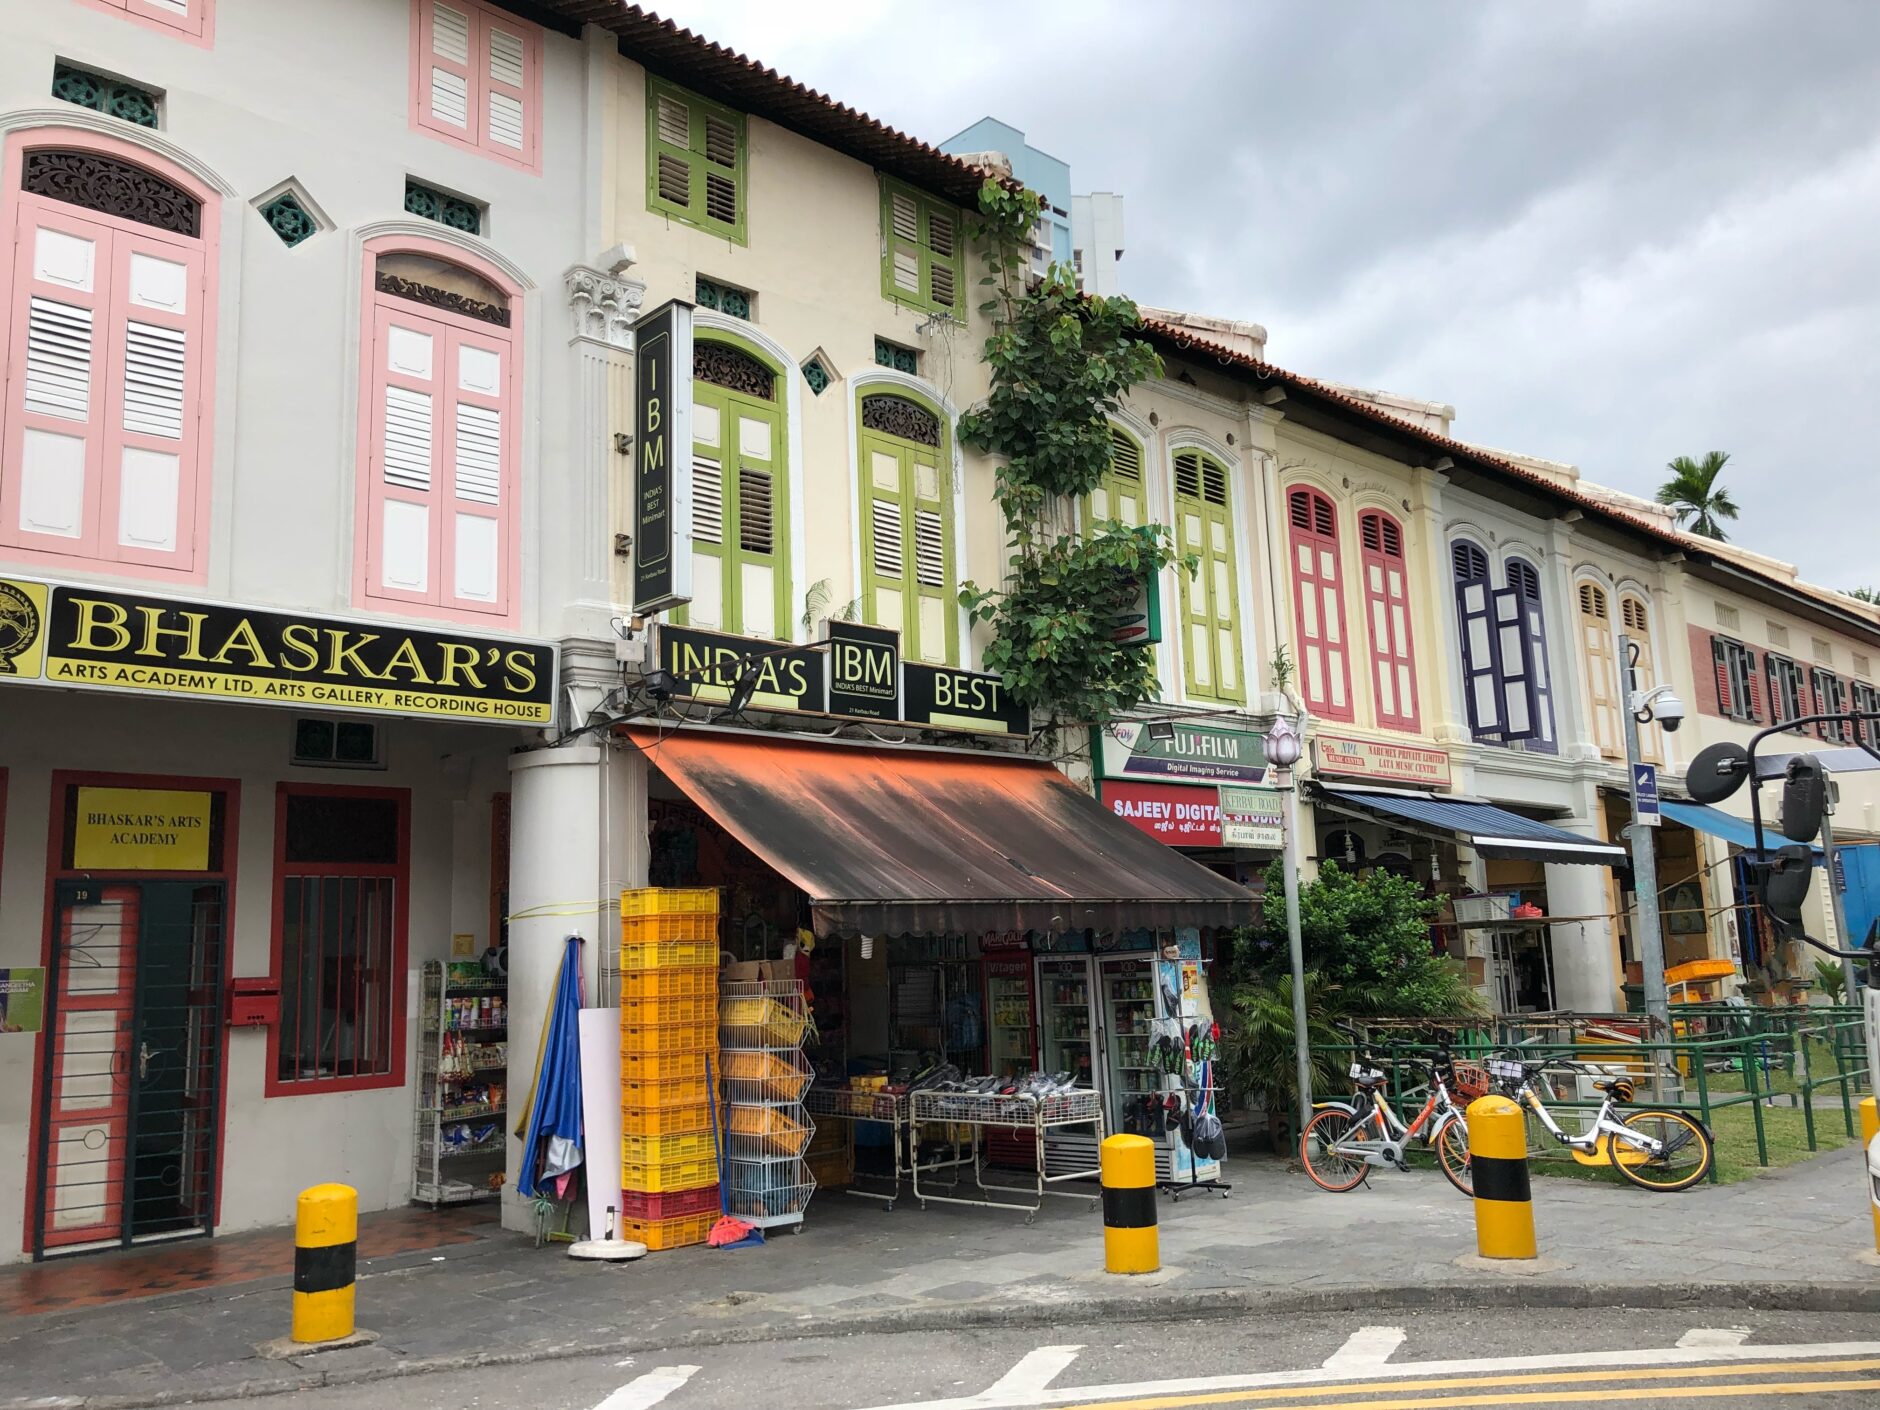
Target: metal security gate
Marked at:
129, 1100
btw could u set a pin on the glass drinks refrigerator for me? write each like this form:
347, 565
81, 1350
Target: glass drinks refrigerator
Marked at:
1066, 1020
1126, 989
1010, 1016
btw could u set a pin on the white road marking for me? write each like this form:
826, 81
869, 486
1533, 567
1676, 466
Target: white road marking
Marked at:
1714, 1336
1319, 1375
1032, 1375
1368, 1346
647, 1391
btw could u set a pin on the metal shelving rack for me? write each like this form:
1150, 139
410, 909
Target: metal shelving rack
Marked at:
762, 1027
982, 1112
457, 1142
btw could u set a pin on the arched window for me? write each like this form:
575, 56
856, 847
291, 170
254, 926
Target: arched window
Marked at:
1635, 617
1119, 496
1602, 670
1387, 606
1210, 601
740, 494
1319, 604
439, 502
107, 425
908, 576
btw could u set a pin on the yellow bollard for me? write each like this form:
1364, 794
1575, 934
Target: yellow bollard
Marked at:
1131, 1243
1504, 1205
1869, 1128
326, 1246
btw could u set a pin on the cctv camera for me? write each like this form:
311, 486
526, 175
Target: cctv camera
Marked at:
1670, 713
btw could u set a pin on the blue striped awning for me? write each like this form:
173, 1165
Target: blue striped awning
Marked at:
1491, 831
1738, 832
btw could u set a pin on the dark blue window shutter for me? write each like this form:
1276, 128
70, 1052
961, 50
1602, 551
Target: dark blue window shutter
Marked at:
1517, 665
1475, 627
1525, 580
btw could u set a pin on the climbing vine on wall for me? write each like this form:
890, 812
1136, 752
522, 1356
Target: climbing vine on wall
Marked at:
1060, 362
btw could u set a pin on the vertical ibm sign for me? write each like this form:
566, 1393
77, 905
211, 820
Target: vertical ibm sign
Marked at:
662, 459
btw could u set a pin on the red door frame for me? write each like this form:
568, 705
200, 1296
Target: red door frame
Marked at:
400, 874
62, 779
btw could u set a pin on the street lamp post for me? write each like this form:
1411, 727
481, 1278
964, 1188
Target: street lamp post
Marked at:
1282, 752
1651, 940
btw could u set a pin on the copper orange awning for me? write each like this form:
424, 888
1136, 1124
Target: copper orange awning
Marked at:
898, 842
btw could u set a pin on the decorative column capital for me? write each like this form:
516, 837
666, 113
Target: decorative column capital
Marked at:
603, 306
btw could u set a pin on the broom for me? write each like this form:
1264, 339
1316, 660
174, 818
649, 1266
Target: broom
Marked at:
727, 1232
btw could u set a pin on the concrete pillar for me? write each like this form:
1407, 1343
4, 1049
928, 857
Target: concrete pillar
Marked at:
577, 836
1584, 977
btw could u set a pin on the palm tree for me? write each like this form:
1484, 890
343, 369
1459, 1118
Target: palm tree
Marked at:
1864, 594
1692, 491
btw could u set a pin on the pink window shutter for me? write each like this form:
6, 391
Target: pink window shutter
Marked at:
440, 456
1318, 605
476, 79
1387, 604
58, 382
445, 86
153, 427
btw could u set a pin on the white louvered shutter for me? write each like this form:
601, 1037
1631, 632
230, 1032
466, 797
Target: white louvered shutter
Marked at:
474, 568
51, 467
411, 353
449, 65
508, 62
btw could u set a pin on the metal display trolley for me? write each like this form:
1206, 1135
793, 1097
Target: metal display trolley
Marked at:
761, 1030
981, 1113
854, 1104
463, 1060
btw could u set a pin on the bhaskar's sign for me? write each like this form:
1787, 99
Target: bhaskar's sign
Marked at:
662, 458
141, 829
97, 639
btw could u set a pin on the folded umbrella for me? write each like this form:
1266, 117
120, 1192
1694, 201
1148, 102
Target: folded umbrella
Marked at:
552, 1142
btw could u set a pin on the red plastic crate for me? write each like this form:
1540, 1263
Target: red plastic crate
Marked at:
674, 1204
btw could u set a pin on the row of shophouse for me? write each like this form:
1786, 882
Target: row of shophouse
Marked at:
318, 659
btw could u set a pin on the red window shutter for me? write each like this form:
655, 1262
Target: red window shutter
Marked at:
1755, 685
1387, 615
1721, 663
1318, 605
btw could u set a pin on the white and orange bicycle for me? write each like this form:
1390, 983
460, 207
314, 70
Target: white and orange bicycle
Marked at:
1345, 1140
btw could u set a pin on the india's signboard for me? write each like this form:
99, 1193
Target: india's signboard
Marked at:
108, 640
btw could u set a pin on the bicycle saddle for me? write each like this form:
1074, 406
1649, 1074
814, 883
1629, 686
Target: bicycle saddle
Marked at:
1620, 1087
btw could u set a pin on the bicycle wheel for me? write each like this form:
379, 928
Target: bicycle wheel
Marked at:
1683, 1159
1452, 1154
1330, 1168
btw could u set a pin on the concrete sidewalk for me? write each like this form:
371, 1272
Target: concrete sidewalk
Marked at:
1793, 1238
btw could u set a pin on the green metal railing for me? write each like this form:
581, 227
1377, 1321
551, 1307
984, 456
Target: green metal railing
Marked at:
1719, 1056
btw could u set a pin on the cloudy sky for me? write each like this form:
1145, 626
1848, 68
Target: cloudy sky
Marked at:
1607, 232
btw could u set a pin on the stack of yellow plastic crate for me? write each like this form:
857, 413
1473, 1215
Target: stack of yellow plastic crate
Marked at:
668, 1045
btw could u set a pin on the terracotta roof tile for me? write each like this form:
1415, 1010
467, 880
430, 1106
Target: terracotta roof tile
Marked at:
742, 82
1183, 340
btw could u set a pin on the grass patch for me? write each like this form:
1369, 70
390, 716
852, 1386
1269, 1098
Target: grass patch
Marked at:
1781, 1070
1785, 1131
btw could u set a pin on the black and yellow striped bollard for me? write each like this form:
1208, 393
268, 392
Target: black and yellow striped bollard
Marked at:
1504, 1205
326, 1248
1131, 1242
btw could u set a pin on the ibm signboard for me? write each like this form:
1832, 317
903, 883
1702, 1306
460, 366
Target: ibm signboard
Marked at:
662, 459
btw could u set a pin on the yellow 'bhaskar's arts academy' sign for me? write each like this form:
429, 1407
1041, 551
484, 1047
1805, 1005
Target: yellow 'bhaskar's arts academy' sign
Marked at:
98, 639
141, 829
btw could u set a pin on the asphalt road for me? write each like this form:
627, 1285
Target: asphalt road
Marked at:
1382, 1361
